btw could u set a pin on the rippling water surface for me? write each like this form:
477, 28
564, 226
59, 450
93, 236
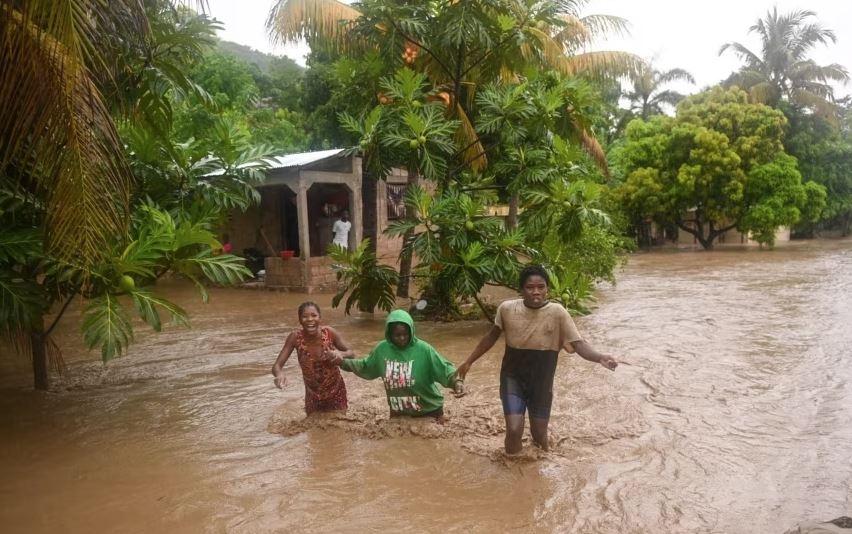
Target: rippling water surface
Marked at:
735, 417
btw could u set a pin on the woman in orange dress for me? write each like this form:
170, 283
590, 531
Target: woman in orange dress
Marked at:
315, 345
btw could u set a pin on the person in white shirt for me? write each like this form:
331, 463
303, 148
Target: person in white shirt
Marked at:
341, 230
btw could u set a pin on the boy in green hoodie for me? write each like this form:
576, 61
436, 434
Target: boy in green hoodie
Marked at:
409, 368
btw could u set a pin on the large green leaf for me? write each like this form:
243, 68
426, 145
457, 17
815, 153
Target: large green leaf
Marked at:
225, 269
20, 246
146, 304
106, 325
188, 235
22, 303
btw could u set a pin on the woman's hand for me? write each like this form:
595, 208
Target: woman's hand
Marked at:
333, 356
280, 380
608, 361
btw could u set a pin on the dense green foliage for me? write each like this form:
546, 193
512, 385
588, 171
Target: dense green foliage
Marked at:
137, 203
464, 130
364, 282
824, 153
264, 105
719, 164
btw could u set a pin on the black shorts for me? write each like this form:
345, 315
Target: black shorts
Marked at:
526, 381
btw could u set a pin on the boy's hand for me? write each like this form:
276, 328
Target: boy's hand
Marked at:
458, 388
609, 362
279, 381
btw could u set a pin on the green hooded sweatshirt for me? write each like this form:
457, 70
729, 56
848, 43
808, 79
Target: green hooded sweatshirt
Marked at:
409, 374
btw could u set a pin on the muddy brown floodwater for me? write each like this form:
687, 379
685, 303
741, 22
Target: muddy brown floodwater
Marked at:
735, 418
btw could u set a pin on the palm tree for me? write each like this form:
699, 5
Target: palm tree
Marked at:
648, 96
782, 69
69, 68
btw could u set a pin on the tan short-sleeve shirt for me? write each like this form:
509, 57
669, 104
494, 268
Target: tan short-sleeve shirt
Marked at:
547, 328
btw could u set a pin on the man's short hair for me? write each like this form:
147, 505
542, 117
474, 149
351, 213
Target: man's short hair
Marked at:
533, 270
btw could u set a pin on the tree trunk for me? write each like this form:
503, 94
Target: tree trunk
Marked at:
369, 208
713, 232
39, 353
707, 242
643, 234
407, 256
512, 219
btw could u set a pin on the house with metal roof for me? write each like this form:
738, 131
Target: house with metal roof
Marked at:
302, 197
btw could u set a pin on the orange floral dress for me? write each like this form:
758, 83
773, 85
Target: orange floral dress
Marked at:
324, 387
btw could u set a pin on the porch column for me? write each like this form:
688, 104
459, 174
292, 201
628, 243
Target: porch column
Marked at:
304, 223
356, 204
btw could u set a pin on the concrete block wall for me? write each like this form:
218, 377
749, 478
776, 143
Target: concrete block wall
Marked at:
286, 273
320, 274
304, 275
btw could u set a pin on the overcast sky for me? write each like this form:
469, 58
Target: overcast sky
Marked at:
675, 33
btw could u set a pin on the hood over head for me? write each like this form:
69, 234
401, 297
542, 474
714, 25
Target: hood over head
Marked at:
400, 316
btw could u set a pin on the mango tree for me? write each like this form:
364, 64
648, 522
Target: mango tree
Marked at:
718, 164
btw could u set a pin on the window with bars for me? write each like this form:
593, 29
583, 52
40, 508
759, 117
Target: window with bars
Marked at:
396, 201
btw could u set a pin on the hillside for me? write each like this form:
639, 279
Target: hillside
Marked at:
263, 60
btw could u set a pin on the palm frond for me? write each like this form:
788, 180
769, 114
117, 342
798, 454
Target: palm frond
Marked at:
605, 25
593, 148
603, 64
816, 102
741, 51
326, 22
474, 154
675, 75
224, 269
668, 97
762, 92
54, 121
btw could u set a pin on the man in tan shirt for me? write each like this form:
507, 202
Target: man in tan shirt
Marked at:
536, 330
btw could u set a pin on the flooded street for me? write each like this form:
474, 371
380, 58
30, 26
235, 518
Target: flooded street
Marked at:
736, 417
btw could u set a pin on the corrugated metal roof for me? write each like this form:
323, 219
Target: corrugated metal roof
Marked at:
293, 160
302, 159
